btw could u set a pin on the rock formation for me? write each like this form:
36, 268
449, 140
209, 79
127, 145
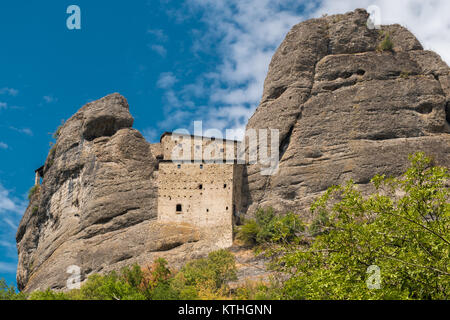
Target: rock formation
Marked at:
96, 208
344, 111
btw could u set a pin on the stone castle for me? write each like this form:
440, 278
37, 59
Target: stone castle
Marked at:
202, 188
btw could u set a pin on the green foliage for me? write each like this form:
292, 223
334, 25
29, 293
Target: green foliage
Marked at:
57, 133
112, 286
48, 295
386, 44
403, 228
258, 291
33, 191
267, 227
206, 276
9, 292
199, 279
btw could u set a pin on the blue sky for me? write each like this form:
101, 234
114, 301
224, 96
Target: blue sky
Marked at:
175, 62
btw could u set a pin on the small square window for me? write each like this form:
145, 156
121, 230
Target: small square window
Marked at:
201, 166
179, 166
179, 208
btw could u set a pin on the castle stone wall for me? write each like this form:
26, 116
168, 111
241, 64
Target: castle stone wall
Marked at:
200, 194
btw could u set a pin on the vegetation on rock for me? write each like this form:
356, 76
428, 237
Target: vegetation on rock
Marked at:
267, 227
33, 191
386, 44
402, 230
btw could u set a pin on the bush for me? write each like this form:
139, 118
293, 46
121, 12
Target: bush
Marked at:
9, 292
267, 227
258, 290
403, 229
386, 44
112, 286
33, 191
48, 295
57, 133
206, 278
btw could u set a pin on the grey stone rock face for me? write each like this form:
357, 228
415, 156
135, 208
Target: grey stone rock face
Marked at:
347, 111
96, 208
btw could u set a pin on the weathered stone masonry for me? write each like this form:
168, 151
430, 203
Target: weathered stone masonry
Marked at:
204, 192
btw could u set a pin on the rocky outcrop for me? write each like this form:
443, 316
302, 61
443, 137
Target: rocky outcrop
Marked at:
97, 206
347, 111
344, 111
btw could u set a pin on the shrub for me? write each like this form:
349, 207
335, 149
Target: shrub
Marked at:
257, 290
156, 282
48, 295
403, 228
33, 191
9, 292
206, 278
386, 44
267, 227
57, 133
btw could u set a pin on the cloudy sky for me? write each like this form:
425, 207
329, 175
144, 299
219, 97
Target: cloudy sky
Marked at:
175, 62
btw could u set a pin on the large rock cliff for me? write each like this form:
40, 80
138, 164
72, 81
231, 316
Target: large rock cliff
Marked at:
344, 111
97, 206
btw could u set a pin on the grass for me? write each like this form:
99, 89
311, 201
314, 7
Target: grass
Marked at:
386, 44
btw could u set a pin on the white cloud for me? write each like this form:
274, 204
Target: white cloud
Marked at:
6, 267
3, 145
158, 34
244, 34
8, 245
9, 91
11, 211
26, 131
10, 204
428, 20
50, 99
166, 80
151, 135
159, 49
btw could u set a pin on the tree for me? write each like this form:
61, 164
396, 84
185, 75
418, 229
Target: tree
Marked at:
403, 229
